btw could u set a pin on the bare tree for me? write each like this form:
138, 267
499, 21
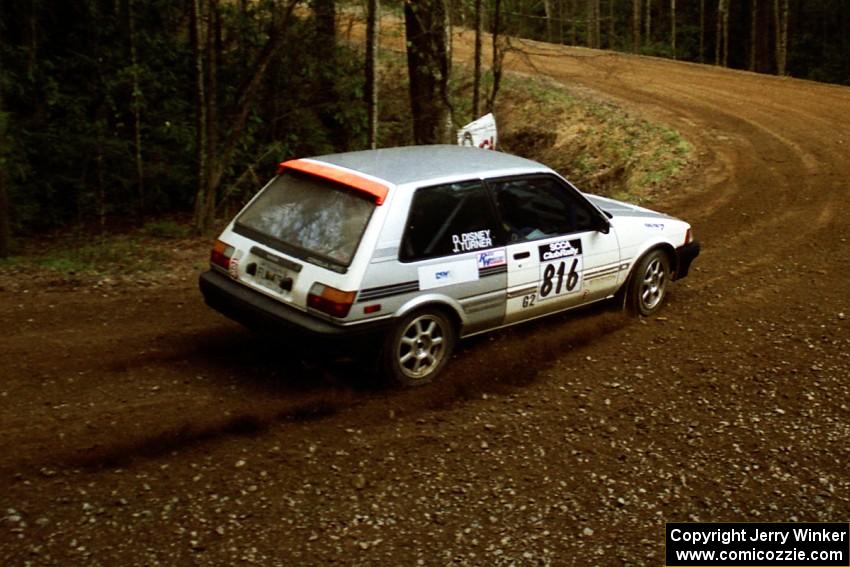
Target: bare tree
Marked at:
636, 10
549, 11
5, 231
198, 31
754, 9
5, 224
721, 45
498, 53
725, 33
780, 18
214, 157
673, 27
371, 90
593, 23
597, 21
136, 103
574, 9
426, 28
701, 31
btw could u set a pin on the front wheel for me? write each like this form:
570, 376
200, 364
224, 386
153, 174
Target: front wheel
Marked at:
418, 348
648, 285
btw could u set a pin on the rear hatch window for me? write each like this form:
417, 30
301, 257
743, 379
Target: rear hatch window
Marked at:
309, 217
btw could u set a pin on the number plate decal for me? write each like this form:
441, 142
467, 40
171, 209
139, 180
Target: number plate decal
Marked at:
269, 275
561, 268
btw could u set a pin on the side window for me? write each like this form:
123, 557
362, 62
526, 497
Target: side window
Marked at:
539, 207
450, 219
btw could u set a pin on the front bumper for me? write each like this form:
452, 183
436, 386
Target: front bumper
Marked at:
258, 311
684, 256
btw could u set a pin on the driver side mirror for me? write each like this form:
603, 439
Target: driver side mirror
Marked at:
602, 225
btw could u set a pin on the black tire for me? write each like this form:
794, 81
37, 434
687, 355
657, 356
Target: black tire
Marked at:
648, 284
418, 348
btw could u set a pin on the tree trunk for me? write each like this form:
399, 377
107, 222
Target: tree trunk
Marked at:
754, 10
648, 23
574, 9
550, 15
636, 10
718, 43
780, 15
612, 34
597, 23
725, 33
5, 230
214, 158
476, 79
136, 104
198, 38
673, 27
372, 39
701, 31
561, 21
101, 184
593, 23
212, 51
425, 25
498, 54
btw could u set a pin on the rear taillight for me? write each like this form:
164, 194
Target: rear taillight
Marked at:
221, 254
330, 300
689, 237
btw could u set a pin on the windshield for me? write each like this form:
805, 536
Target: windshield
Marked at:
302, 213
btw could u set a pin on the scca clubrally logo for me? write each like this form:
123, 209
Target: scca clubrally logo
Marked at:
560, 249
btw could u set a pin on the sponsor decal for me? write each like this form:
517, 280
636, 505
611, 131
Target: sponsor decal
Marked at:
654, 225
233, 266
480, 133
471, 241
560, 249
492, 258
448, 273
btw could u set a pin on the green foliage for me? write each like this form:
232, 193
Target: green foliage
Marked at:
72, 89
116, 254
168, 229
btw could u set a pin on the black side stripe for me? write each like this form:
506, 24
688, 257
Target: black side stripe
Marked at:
387, 291
492, 271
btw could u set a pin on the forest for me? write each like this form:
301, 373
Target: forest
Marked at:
116, 111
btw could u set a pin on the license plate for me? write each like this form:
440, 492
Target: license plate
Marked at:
270, 275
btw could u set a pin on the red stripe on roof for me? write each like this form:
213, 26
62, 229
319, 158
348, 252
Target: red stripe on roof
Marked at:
363, 184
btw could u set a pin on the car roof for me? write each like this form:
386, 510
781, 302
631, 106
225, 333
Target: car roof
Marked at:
411, 164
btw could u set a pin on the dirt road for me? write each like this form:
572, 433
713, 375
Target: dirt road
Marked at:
139, 427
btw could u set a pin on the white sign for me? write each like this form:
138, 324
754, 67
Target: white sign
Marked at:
480, 133
448, 273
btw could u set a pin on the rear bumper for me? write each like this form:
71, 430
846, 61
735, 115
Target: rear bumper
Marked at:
258, 311
684, 257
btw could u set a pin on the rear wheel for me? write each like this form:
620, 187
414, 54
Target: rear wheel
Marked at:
418, 348
648, 286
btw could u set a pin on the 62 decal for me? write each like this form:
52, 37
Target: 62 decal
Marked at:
561, 267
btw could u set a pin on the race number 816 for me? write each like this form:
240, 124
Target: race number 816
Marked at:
560, 279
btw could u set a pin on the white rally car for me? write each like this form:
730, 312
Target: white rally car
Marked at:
419, 246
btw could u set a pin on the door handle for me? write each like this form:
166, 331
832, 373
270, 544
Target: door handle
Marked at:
521, 255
